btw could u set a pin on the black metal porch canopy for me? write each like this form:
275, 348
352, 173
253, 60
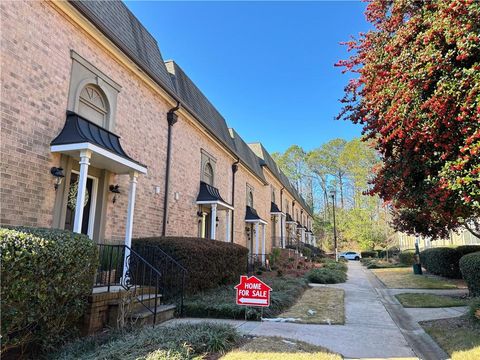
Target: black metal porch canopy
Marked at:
208, 195
274, 210
251, 216
80, 134
289, 219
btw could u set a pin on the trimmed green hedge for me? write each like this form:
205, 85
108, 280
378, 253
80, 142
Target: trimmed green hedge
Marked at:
369, 254
407, 257
470, 268
467, 249
444, 261
47, 275
209, 263
441, 261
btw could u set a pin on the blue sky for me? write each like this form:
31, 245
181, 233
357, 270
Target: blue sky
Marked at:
268, 67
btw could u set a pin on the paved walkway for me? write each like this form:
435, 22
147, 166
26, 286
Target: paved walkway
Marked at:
376, 325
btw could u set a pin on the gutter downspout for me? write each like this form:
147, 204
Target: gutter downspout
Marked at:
171, 119
234, 170
281, 216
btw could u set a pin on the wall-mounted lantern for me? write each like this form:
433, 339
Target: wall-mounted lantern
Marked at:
57, 173
115, 189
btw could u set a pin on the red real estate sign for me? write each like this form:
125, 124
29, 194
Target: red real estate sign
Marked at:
252, 292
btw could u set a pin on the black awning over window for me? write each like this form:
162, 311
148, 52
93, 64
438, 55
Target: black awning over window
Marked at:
78, 130
274, 209
289, 218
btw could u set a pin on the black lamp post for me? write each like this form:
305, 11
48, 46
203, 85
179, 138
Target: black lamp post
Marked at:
332, 194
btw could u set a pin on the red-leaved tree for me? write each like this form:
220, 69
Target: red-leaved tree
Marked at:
416, 92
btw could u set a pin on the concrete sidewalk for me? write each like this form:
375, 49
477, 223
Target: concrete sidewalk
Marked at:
369, 331
376, 324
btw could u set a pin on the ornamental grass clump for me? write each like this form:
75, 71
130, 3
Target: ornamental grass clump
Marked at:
220, 302
173, 342
47, 275
326, 276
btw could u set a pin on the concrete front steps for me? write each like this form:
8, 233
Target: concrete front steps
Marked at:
118, 307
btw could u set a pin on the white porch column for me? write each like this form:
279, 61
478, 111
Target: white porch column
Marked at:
227, 225
204, 224
263, 244
82, 189
213, 222
284, 229
129, 226
256, 238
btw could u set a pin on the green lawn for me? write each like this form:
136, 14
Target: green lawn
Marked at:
320, 305
273, 348
403, 278
459, 337
430, 301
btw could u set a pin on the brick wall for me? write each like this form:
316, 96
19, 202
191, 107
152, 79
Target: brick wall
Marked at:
36, 65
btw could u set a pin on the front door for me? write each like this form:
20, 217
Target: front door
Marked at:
89, 204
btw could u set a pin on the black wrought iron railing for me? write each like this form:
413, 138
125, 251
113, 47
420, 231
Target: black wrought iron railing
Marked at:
257, 262
174, 274
122, 267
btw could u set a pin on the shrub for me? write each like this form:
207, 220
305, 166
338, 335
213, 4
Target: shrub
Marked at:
407, 257
475, 309
392, 252
274, 257
340, 266
467, 249
326, 276
441, 261
209, 263
368, 254
307, 252
47, 275
470, 268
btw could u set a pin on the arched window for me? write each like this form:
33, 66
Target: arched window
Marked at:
273, 196
250, 198
208, 174
288, 209
93, 105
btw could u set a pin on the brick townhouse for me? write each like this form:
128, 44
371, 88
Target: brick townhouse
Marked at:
101, 136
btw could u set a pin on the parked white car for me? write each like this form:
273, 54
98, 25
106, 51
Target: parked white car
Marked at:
350, 255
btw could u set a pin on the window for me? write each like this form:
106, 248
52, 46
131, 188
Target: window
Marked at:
208, 174
273, 195
93, 105
207, 170
288, 209
249, 196
92, 94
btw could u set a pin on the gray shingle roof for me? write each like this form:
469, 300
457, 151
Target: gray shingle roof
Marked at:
191, 96
118, 23
267, 160
247, 155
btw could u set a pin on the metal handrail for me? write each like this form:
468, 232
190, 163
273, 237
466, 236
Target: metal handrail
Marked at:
172, 284
124, 267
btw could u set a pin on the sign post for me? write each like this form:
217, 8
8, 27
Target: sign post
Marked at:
252, 292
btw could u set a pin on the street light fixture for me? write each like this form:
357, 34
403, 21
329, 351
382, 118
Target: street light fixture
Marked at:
332, 194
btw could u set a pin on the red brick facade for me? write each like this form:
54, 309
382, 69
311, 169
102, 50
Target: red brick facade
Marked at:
37, 40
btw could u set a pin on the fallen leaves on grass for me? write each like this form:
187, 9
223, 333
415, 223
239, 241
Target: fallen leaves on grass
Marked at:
319, 305
273, 348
